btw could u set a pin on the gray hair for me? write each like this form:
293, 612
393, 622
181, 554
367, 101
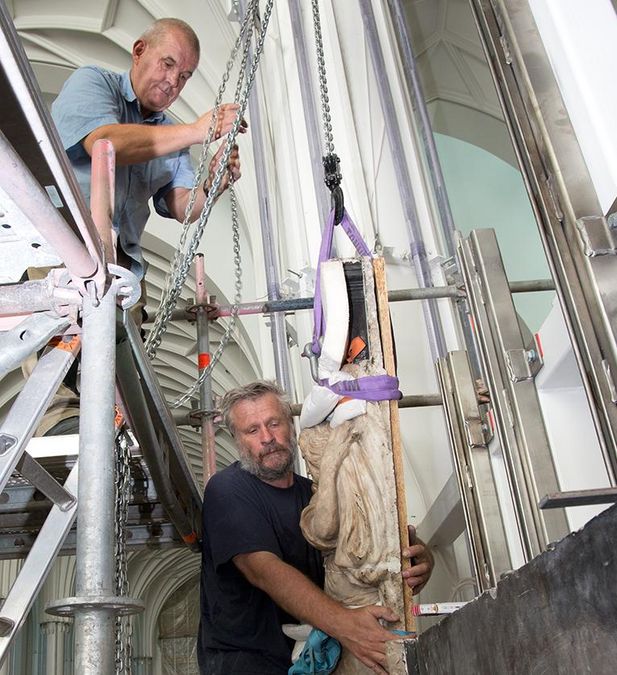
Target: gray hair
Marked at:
162, 27
251, 392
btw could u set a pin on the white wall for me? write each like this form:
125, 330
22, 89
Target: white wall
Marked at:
580, 39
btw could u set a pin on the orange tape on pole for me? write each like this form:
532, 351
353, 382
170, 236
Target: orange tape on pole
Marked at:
203, 360
190, 538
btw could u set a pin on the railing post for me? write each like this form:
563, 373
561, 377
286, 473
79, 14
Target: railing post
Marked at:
208, 444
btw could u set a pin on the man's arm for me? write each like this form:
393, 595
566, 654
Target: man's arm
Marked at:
136, 143
178, 198
358, 630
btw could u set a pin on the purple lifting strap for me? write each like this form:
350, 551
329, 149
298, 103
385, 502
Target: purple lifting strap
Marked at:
370, 388
324, 254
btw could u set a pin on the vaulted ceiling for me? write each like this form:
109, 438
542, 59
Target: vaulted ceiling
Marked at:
457, 83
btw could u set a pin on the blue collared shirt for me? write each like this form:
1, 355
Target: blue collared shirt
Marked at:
93, 97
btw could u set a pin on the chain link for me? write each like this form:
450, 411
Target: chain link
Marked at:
323, 83
251, 15
243, 35
182, 261
123, 485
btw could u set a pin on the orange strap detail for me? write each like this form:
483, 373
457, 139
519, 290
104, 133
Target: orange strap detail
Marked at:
118, 417
59, 343
355, 347
539, 344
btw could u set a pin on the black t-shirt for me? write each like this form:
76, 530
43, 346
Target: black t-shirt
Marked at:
242, 514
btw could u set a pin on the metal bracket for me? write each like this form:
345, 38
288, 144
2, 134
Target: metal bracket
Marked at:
313, 361
65, 295
523, 364
126, 285
452, 273
597, 235
6, 442
477, 433
119, 605
53, 293
606, 369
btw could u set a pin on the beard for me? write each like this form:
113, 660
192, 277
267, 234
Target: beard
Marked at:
256, 467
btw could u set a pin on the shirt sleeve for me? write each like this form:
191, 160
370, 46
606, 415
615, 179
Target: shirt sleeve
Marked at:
183, 177
87, 101
235, 521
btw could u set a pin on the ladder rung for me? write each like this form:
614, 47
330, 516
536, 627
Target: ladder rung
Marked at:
558, 500
31, 470
30, 406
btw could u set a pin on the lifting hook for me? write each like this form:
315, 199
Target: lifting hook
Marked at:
332, 179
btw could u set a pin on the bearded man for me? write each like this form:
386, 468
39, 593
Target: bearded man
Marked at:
258, 571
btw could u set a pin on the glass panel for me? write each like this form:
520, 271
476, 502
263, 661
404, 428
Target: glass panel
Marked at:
486, 191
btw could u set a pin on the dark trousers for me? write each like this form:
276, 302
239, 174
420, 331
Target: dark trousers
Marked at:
223, 662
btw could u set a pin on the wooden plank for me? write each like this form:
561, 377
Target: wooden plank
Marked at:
387, 344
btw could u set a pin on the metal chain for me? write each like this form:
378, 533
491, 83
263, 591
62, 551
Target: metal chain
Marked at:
123, 485
207, 371
244, 36
182, 262
169, 296
323, 84
252, 14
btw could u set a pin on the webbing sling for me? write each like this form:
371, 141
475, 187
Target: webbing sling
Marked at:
371, 387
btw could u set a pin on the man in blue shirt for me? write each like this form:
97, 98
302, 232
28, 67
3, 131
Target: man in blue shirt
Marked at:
152, 157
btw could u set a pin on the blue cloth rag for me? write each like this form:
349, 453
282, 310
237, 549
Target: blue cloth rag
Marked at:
321, 654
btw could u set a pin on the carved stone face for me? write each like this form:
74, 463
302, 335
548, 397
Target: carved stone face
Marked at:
265, 438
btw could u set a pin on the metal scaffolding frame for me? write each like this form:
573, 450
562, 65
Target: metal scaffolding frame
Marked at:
510, 363
45, 210
470, 435
578, 241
